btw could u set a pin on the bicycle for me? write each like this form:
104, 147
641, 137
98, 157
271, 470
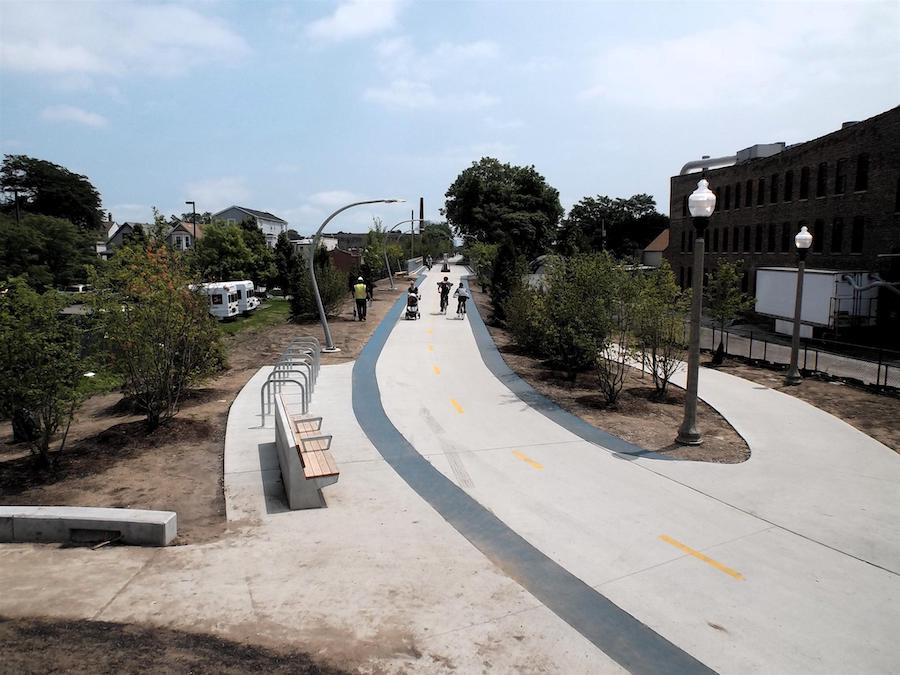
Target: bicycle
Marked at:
445, 300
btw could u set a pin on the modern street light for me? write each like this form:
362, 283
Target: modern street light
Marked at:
802, 241
386, 263
701, 204
329, 343
194, 218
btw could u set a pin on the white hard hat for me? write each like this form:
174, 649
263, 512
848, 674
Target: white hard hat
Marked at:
359, 278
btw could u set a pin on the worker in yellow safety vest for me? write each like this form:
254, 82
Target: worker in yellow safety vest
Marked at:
359, 293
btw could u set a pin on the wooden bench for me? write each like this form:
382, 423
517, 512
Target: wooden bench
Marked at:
304, 454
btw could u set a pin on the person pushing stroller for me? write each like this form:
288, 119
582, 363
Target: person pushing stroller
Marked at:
412, 302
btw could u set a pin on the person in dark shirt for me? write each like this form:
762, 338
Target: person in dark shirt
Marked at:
444, 291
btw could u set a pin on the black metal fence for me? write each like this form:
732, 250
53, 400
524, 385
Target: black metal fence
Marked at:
870, 365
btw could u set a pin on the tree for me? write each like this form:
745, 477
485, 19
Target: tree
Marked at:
158, 335
51, 190
618, 225
222, 254
662, 309
495, 203
481, 257
46, 251
40, 364
285, 261
262, 263
436, 239
724, 299
374, 245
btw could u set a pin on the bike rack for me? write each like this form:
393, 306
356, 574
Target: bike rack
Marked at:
278, 376
284, 365
296, 350
301, 358
262, 391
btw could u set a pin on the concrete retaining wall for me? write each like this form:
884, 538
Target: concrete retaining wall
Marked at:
47, 524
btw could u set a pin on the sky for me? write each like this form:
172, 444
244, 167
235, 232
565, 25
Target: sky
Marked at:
299, 108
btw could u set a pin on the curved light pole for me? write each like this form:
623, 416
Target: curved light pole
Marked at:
329, 343
802, 241
386, 263
701, 203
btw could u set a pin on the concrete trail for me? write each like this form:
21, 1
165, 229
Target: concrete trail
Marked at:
708, 556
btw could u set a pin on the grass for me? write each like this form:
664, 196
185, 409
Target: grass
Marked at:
273, 312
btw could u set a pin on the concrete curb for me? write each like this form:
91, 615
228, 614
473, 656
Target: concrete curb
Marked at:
64, 524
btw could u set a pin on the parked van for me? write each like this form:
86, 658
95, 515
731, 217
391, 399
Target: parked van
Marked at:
247, 301
223, 299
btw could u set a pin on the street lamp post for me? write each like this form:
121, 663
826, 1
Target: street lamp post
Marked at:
386, 263
329, 343
194, 218
701, 203
802, 241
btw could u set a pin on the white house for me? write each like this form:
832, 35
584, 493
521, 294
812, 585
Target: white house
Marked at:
271, 225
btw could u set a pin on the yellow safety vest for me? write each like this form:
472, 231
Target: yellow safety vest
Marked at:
359, 291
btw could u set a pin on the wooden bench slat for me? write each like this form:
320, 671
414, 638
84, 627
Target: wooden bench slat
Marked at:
313, 464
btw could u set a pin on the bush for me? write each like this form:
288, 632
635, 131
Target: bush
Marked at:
662, 309
526, 318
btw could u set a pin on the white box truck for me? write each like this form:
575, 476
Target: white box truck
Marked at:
830, 300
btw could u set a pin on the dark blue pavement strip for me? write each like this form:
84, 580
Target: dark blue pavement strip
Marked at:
495, 363
619, 635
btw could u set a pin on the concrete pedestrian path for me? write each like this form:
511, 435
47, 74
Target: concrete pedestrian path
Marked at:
787, 563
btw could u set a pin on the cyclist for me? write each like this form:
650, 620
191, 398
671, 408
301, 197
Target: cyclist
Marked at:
461, 295
444, 290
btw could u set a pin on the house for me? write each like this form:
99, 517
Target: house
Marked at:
653, 253
181, 236
302, 245
271, 225
121, 235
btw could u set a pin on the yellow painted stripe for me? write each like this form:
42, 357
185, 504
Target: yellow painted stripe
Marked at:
456, 405
437, 371
428, 331
431, 348
705, 558
530, 462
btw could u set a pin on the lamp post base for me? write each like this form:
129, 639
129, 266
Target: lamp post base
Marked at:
330, 350
689, 437
793, 378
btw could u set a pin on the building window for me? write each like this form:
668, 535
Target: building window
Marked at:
837, 235
725, 240
840, 177
745, 281
684, 206
761, 192
748, 198
856, 235
231, 221
759, 239
727, 197
737, 195
804, 183
735, 240
818, 236
862, 172
785, 237
773, 188
770, 247
681, 276
690, 276
821, 179
690, 242
747, 242
788, 185
682, 241
715, 241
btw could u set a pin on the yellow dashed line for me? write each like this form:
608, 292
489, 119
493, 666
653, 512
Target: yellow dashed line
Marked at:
428, 331
709, 561
437, 371
530, 462
430, 347
456, 405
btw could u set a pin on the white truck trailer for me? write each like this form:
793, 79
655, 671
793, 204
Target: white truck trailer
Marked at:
830, 300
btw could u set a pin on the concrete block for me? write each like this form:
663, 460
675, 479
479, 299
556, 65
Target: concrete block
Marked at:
72, 523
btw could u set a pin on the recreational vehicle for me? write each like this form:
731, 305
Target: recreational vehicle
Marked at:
247, 302
223, 299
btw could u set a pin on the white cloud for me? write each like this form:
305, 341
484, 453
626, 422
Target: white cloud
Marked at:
69, 113
333, 198
104, 38
122, 213
215, 194
356, 18
412, 77
781, 55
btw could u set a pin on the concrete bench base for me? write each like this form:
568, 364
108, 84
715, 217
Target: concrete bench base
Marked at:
301, 492
81, 524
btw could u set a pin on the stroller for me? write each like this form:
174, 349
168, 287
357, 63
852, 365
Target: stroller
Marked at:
412, 306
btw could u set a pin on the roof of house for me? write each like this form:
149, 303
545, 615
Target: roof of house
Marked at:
253, 212
661, 243
130, 226
187, 227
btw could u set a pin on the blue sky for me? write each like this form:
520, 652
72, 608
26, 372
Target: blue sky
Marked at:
299, 108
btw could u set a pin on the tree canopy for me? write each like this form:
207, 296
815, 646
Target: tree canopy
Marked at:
618, 225
51, 190
495, 203
232, 252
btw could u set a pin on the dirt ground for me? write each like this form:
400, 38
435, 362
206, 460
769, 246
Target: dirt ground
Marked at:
45, 646
876, 415
636, 418
109, 455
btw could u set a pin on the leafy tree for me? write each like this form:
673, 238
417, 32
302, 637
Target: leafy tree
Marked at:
40, 364
724, 299
661, 312
222, 254
303, 304
204, 218
46, 251
285, 261
158, 335
481, 257
374, 246
394, 254
262, 263
506, 273
527, 318
51, 190
495, 203
618, 289
617, 225
436, 239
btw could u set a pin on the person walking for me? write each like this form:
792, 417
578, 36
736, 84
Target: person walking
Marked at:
461, 295
359, 294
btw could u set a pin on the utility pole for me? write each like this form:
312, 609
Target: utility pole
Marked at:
16, 197
412, 233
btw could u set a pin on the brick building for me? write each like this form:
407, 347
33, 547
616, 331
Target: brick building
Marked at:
845, 187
